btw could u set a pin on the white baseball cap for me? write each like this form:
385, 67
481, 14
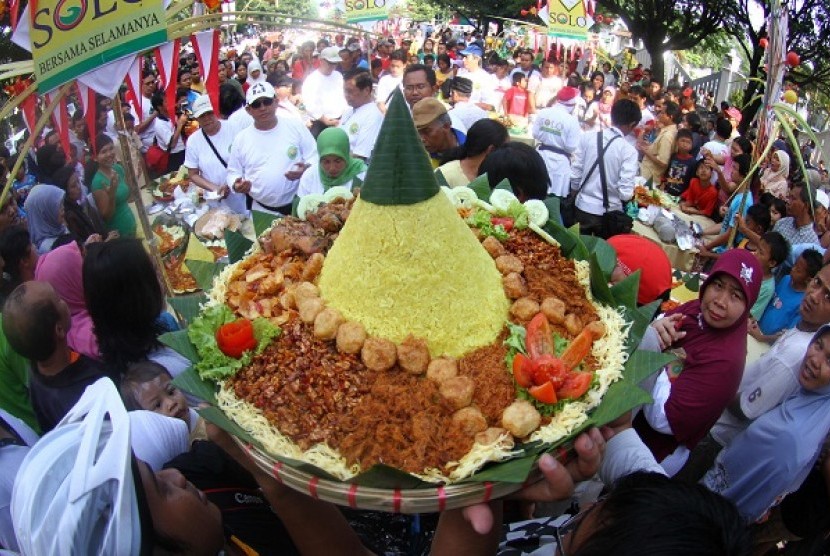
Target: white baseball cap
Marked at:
331, 54
822, 198
202, 106
259, 90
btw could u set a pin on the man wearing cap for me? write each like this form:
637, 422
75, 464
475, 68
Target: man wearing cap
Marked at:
323, 92
558, 132
268, 158
207, 152
435, 128
382, 52
484, 84
362, 119
463, 110
348, 61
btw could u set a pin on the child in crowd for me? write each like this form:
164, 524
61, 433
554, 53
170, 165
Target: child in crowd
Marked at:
771, 251
23, 182
679, 173
756, 224
516, 100
148, 385
777, 207
700, 196
729, 212
782, 311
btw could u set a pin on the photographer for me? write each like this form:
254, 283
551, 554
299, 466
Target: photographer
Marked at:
168, 134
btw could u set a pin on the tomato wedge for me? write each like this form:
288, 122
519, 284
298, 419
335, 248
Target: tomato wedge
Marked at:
544, 393
578, 349
505, 222
235, 338
549, 369
539, 339
575, 386
523, 370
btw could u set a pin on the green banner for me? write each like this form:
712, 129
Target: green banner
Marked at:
568, 19
358, 11
72, 37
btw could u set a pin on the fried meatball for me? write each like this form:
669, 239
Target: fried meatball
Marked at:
470, 420
378, 354
520, 418
309, 308
524, 308
514, 285
554, 309
305, 289
509, 263
494, 247
413, 355
442, 368
493, 435
597, 329
573, 324
458, 391
312, 267
350, 337
326, 323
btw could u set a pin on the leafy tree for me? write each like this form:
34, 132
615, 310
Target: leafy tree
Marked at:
809, 37
669, 24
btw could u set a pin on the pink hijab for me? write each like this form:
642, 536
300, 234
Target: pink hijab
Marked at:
61, 267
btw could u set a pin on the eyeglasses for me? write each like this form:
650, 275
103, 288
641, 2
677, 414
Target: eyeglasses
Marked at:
571, 525
419, 87
267, 101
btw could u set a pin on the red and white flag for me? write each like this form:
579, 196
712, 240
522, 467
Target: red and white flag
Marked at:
206, 47
167, 60
89, 103
60, 119
134, 78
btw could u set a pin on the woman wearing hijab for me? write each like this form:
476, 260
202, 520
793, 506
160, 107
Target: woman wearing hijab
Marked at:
255, 74
774, 455
708, 336
606, 101
335, 166
80, 212
774, 178
62, 267
44, 207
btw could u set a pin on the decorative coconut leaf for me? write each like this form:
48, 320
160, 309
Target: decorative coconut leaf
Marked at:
188, 306
204, 272
264, 220
481, 186
599, 283
190, 382
625, 292
237, 245
180, 343
606, 256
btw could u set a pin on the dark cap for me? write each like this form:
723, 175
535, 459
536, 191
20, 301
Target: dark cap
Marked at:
462, 85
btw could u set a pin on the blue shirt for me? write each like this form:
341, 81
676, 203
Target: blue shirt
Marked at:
729, 218
782, 311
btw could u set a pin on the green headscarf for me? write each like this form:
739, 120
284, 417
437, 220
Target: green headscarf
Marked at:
334, 140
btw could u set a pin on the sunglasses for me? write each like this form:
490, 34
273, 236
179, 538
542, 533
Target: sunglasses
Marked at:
260, 102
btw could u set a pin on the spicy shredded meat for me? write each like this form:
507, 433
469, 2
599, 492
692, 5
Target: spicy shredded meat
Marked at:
494, 386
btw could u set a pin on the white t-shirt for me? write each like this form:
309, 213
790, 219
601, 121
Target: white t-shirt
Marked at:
484, 85
362, 124
323, 95
547, 90
311, 183
533, 79
149, 132
164, 132
386, 86
199, 155
263, 157
239, 120
468, 113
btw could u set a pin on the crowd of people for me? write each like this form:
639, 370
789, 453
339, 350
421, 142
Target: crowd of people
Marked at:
728, 458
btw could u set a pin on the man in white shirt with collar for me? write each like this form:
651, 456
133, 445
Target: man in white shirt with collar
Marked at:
526, 67
484, 84
558, 133
268, 158
463, 109
548, 86
391, 79
621, 167
323, 92
363, 118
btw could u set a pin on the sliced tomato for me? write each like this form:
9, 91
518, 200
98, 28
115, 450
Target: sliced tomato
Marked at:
523, 370
544, 393
504, 222
235, 338
548, 368
578, 349
539, 339
575, 386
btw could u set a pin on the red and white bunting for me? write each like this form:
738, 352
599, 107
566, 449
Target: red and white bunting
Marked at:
167, 60
89, 103
206, 47
60, 120
134, 77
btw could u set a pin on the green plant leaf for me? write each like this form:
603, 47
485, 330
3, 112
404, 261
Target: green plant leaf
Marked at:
512, 471
504, 184
640, 318
642, 364
188, 306
383, 476
481, 186
554, 209
621, 396
204, 272
442, 181
190, 382
625, 292
693, 284
263, 220
237, 244
599, 284
180, 343
606, 256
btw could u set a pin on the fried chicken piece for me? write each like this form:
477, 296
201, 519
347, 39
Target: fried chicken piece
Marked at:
470, 419
493, 435
573, 324
305, 289
554, 309
524, 308
413, 355
514, 285
309, 308
494, 247
272, 283
442, 368
350, 337
312, 267
520, 418
326, 323
458, 391
378, 354
509, 263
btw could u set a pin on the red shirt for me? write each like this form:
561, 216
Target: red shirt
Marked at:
516, 99
702, 198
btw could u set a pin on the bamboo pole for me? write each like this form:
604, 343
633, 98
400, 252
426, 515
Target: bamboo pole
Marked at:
17, 100
127, 161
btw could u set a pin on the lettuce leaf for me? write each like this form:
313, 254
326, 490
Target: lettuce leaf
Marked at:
518, 213
481, 219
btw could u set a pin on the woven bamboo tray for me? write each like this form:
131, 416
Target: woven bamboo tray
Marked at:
405, 501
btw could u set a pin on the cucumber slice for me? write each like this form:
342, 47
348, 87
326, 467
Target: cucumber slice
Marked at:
464, 197
308, 204
338, 192
501, 199
537, 212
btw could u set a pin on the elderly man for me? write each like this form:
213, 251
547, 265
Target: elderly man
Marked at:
269, 175
435, 128
558, 132
323, 92
363, 118
207, 152
463, 109
484, 84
